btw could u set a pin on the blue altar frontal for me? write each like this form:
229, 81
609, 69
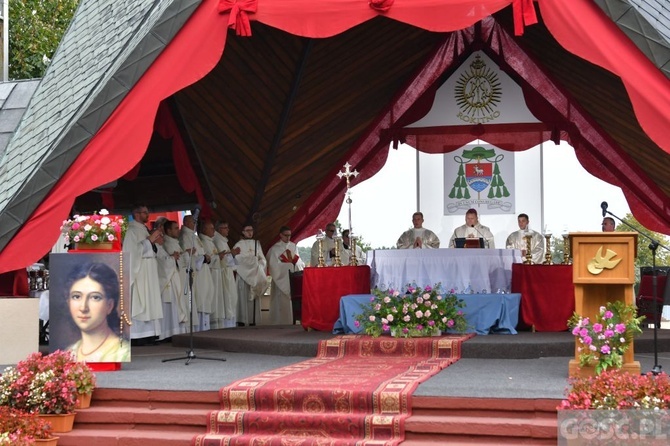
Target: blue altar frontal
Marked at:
485, 313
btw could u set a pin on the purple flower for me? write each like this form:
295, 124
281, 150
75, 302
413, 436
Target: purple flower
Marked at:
575, 331
605, 349
608, 333
597, 328
587, 340
357, 324
431, 323
386, 327
419, 327
620, 328
450, 323
608, 314
583, 332
427, 289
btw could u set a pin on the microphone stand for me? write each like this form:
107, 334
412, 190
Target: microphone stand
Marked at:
656, 370
188, 288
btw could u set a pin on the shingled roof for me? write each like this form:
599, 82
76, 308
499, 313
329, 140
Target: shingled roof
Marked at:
108, 46
280, 109
14, 99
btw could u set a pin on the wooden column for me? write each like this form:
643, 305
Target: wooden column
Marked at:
603, 271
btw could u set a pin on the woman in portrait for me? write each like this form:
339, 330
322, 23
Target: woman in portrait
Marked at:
92, 298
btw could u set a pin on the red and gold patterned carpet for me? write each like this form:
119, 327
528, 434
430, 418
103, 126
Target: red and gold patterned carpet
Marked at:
357, 391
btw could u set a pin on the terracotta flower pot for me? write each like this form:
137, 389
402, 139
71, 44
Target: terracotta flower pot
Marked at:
83, 401
60, 423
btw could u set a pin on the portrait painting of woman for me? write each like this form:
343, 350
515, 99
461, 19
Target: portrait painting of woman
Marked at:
87, 321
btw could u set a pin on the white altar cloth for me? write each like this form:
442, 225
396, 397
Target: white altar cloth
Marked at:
463, 270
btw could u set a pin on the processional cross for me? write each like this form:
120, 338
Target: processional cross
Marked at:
348, 173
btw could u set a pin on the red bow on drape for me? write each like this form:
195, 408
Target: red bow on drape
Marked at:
239, 10
381, 5
524, 15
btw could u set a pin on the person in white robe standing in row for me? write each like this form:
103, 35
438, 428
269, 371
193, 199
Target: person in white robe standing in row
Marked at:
146, 306
251, 277
203, 289
170, 284
228, 266
206, 235
282, 260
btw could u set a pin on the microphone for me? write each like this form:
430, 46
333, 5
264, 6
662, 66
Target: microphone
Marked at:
482, 235
196, 213
603, 206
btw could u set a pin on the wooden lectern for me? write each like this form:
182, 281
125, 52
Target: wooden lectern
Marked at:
603, 270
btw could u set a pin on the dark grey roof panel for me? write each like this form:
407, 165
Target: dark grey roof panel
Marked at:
9, 119
21, 94
647, 24
107, 48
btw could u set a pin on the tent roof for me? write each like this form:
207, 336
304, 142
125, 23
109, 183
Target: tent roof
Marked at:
268, 125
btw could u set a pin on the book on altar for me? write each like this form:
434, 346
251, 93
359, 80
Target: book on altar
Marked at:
463, 242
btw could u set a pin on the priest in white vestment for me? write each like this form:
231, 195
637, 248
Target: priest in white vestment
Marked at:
350, 248
328, 247
228, 267
175, 313
418, 237
206, 235
203, 287
473, 229
517, 240
251, 278
282, 259
146, 307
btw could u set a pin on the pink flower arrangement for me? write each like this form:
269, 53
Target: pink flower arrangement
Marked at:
604, 340
19, 428
42, 384
416, 312
96, 228
618, 390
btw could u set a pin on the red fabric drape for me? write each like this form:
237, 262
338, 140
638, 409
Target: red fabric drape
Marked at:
581, 28
167, 129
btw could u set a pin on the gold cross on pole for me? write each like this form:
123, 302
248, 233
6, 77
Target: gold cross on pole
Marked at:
347, 173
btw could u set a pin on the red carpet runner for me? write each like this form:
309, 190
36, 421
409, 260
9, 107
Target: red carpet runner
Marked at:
355, 392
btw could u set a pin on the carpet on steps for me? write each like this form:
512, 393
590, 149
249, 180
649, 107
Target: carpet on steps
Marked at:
356, 391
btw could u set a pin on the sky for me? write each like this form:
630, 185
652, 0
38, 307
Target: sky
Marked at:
559, 198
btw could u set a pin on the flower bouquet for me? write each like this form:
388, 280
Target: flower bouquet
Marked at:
415, 312
96, 228
18, 428
605, 339
40, 384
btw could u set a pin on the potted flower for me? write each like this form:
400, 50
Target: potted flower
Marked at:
96, 229
18, 428
412, 313
84, 380
603, 341
616, 407
42, 385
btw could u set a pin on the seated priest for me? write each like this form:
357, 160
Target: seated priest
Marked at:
517, 240
418, 237
472, 229
328, 247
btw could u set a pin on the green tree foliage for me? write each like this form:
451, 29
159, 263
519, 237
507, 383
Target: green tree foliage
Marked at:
35, 29
644, 254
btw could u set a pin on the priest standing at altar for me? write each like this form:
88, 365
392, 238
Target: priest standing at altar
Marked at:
418, 237
328, 247
282, 260
145, 296
473, 229
517, 240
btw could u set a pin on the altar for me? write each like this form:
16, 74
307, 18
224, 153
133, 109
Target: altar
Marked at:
480, 271
485, 313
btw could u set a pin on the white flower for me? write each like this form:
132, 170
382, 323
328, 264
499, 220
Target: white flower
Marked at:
105, 220
103, 212
103, 227
389, 318
88, 228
